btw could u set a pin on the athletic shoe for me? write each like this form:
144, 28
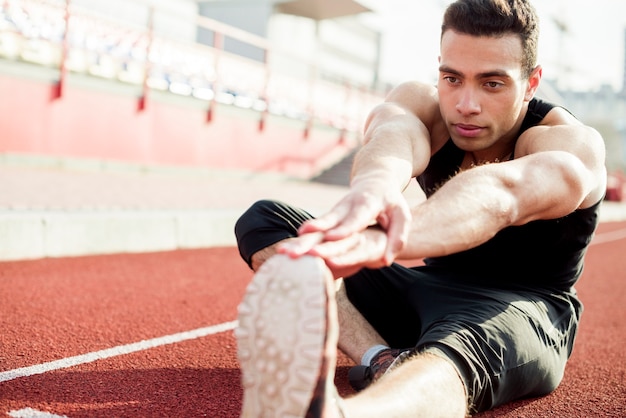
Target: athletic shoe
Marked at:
287, 340
362, 376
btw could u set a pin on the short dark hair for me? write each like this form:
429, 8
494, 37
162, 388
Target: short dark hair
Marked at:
497, 18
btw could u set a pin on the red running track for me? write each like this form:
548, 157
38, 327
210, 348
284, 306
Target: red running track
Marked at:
150, 335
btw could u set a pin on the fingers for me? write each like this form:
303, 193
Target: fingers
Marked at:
338, 225
312, 244
300, 245
330, 249
397, 232
341, 236
331, 220
363, 249
352, 214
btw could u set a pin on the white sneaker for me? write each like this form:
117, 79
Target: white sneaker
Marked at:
287, 340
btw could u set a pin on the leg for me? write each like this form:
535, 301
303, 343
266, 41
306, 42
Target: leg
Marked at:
356, 335
264, 254
265, 224
506, 345
424, 385
259, 231
287, 339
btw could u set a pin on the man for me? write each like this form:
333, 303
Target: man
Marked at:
513, 187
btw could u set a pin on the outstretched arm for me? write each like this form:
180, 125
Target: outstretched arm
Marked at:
396, 148
476, 204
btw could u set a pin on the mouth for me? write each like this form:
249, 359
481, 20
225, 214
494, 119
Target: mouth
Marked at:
467, 130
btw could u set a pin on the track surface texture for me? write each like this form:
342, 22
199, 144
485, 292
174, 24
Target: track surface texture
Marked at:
151, 335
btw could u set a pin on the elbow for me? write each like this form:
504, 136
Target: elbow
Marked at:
548, 190
506, 211
378, 117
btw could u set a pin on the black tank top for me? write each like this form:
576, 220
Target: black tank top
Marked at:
543, 253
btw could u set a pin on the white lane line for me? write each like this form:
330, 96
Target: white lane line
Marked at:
115, 351
609, 236
33, 413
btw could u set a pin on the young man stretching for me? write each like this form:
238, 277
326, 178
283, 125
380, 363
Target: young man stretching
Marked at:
512, 189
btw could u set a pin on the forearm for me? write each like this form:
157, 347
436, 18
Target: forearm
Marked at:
466, 212
397, 147
476, 204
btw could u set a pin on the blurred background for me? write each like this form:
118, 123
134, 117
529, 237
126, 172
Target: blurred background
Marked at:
258, 85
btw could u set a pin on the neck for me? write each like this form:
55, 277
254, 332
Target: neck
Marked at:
473, 159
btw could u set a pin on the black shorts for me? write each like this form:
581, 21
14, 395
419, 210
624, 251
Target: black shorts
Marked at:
505, 343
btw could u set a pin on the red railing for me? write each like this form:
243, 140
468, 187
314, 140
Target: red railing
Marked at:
59, 33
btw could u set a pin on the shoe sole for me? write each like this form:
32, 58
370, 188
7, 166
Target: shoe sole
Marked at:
281, 336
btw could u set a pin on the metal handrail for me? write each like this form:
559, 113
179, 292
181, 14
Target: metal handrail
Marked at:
139, 53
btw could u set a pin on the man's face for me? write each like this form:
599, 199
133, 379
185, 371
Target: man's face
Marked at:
481, 89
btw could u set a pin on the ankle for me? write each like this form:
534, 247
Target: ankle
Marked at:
371, 353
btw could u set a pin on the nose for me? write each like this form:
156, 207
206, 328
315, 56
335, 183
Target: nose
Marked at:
468, 102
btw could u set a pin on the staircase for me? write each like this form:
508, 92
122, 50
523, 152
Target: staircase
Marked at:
338, 174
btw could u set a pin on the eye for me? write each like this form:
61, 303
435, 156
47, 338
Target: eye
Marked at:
451, 79
493, 84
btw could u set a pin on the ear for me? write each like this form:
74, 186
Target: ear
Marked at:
533, 82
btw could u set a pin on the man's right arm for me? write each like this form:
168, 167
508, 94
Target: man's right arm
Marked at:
396, 148
397, 136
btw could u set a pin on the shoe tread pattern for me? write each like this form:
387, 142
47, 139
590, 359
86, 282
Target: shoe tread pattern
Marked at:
280, 337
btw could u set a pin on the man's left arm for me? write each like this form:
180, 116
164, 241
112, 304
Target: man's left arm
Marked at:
584, 153
557, 169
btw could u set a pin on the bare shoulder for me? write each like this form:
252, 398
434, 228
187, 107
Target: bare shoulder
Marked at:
560, 136
419, 100
559, 116
408, 91
560, 131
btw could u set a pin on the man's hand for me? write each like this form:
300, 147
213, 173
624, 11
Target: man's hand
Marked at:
359, 250
345, 256
341, 236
